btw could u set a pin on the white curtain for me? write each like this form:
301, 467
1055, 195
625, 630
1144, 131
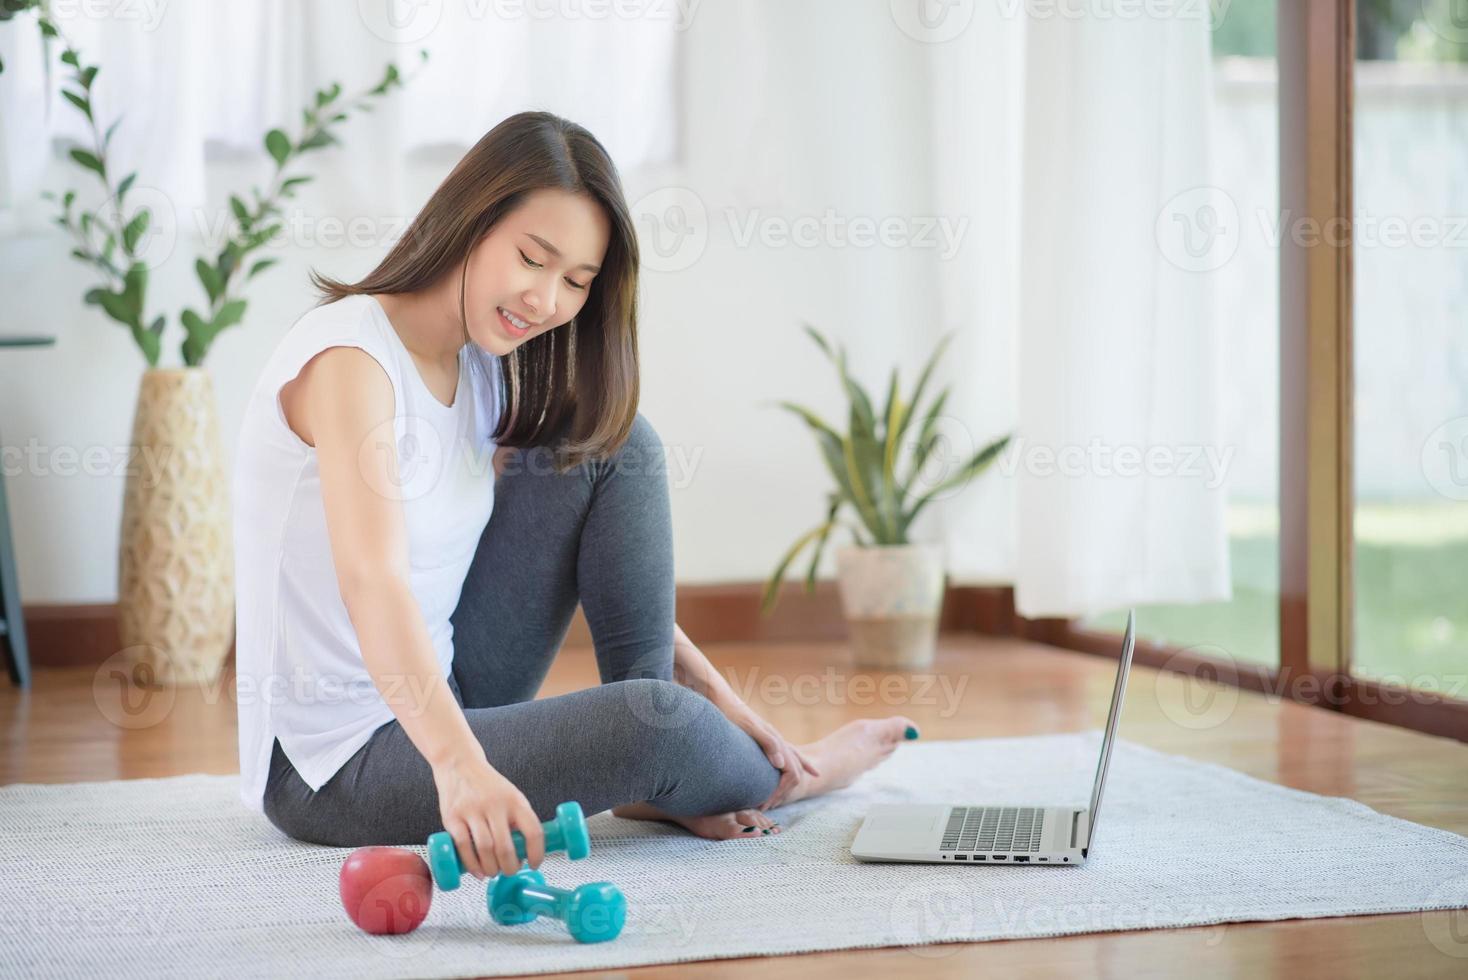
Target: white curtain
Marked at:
201, 81
1083, 330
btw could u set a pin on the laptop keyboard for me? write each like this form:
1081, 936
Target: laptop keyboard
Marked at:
993, 828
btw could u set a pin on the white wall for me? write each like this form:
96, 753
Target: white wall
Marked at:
787, 110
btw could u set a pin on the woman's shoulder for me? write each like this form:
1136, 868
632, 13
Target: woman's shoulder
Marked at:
351, 315
354, 320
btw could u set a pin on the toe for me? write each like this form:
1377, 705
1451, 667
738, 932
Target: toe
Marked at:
759, 820
902, 728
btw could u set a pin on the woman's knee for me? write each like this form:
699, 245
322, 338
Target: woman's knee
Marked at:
690, 737
662, 712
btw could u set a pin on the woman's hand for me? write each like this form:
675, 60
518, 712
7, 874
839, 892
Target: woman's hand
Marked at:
794, 765
692, 669
480, 807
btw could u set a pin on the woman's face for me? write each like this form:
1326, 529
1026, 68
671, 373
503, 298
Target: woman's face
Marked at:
535, 267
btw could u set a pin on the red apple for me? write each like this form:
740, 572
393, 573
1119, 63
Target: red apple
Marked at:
386, 890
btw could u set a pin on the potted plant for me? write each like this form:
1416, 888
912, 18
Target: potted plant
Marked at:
891, 587
175, 562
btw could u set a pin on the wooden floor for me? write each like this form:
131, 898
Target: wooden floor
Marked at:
73, 726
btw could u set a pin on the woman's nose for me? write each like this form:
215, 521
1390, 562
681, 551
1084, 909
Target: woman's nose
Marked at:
541, 303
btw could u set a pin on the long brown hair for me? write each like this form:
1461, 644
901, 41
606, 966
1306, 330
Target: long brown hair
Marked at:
574, 388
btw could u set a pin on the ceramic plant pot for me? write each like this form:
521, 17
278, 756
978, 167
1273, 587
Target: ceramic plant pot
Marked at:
892, 596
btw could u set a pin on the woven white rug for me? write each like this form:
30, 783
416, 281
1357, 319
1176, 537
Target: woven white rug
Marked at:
174, 877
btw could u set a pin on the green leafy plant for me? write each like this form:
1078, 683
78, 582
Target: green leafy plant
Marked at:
864, 461
110, 239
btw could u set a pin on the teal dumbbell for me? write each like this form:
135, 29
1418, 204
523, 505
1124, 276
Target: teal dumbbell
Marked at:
567, 832
593, 913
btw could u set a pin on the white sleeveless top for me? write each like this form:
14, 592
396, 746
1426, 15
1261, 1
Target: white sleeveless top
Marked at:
300, 673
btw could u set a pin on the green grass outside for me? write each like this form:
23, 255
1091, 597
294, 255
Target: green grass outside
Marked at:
1411, 595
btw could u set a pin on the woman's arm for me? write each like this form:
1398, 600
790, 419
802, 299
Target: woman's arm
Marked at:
340, 403
693, 670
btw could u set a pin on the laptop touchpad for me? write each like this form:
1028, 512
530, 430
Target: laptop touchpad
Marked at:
901, 822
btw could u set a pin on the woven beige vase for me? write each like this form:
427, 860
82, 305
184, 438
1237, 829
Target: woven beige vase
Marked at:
176, 562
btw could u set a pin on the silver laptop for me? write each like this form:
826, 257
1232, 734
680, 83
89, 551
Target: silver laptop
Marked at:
977, 834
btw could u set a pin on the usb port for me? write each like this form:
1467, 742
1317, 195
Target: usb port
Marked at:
960, 857
979, 857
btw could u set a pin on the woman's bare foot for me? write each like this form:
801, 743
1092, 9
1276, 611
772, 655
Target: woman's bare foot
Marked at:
721, 826
848, 752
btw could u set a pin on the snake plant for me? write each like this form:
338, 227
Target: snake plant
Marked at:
864, 461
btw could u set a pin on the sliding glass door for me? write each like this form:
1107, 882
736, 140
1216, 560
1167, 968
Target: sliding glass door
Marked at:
1410, 163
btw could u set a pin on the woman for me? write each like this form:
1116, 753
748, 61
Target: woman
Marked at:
399, 603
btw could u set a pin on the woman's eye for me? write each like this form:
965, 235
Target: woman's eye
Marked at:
574, 284
530, 262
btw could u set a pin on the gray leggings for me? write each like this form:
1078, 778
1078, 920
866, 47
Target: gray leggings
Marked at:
601, 534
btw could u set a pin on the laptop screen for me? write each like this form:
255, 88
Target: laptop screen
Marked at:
1123, 667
